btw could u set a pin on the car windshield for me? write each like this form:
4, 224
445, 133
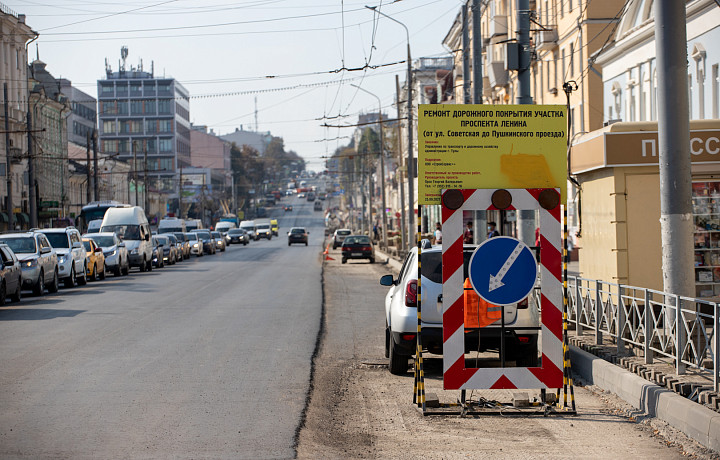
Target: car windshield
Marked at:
180, 236
297, 230
357, 240
23, 245
88, 246
192, 236
162, 240
203, 235
216, 234
58, 240
235, 231
125, 232
343, 232
263, 226
104, 241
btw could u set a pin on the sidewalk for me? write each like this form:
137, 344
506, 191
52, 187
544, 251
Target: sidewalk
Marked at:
685, 401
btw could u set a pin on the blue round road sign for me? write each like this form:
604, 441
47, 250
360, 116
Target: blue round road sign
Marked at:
503, 270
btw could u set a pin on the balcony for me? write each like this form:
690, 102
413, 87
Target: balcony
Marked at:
546, 40
497, 74
498, 28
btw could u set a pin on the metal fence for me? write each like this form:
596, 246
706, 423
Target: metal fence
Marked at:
682, 329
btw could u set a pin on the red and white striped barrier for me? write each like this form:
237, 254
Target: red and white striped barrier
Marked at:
455, 375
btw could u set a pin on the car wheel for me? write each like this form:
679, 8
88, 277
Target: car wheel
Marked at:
143, 265
372, 260
344, 260
94, 273
149, 265
3, 293
387, 340
126, 268
71, 280
102, 273
54, 286
18, 292
334, 246
39, 288
83, 281
398, 363
289, 243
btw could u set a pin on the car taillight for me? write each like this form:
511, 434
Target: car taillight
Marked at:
366, 248
523, 339
523, 304
408, 336
411, 294
346, 248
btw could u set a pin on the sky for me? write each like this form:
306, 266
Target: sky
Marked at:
283, 66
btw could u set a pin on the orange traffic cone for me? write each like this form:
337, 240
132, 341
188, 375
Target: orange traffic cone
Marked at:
327, 250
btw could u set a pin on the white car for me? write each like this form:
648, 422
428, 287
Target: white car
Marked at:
117, 259
521, 345
339, 236
72, 257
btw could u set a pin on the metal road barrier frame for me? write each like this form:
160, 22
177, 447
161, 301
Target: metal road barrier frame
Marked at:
684, 329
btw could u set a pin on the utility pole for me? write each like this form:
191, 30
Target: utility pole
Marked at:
403, 232
145, 180
87, 175
477, 53
134, 145
465, 55
180, 187
95, 163
8, 163
32, 191
676, 223
525, 218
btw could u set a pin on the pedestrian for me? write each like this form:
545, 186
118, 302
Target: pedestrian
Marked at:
491, 230
376, 232
469, 236
438, 233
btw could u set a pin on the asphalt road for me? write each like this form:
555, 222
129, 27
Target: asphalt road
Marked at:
209, 358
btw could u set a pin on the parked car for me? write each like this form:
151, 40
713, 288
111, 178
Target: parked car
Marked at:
10, 275
183, 243
238, 236
168, 250
196, 244
339, 236
298, 235
219, 241
176, 248
358, 247
114, 251
95, 260
208, 242
133, 228
38, 260
72, 257
158, 261
521, 345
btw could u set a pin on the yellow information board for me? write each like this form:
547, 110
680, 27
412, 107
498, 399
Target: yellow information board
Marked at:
490, 146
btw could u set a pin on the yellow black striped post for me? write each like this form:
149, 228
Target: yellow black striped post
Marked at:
419, 367
567, 370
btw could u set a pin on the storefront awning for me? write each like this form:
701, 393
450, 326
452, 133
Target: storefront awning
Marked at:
3, 217
22, 218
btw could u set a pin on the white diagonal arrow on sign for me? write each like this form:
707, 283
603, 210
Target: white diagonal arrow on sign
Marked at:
496, 280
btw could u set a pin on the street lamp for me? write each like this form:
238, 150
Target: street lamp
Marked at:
410, 160
382, 164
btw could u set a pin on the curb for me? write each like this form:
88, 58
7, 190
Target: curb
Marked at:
693, 419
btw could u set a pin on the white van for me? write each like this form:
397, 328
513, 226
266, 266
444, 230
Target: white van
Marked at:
223, 226
249, 227
171, 225
131, 225
193, 224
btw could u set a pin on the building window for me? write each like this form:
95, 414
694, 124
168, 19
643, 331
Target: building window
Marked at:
109, 127
122, 107
690, 93
121, 89
616, 91
165, 126
136, 107
163, 88
165, 106
706, 216
149, 88
562, 61
572, 59
150, 107
110, 146
135, 88
165, 145
106, 89
151, 126
698, 54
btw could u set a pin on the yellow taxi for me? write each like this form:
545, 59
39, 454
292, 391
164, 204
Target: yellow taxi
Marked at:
95, 260
274, 227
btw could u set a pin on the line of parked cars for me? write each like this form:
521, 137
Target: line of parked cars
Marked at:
40, 260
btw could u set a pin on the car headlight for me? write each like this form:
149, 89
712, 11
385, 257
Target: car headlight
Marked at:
195, 245
134, 251
110, 253
31, 263
61, 260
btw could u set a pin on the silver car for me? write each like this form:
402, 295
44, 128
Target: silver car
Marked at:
219, 241
116, 255
38, 260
